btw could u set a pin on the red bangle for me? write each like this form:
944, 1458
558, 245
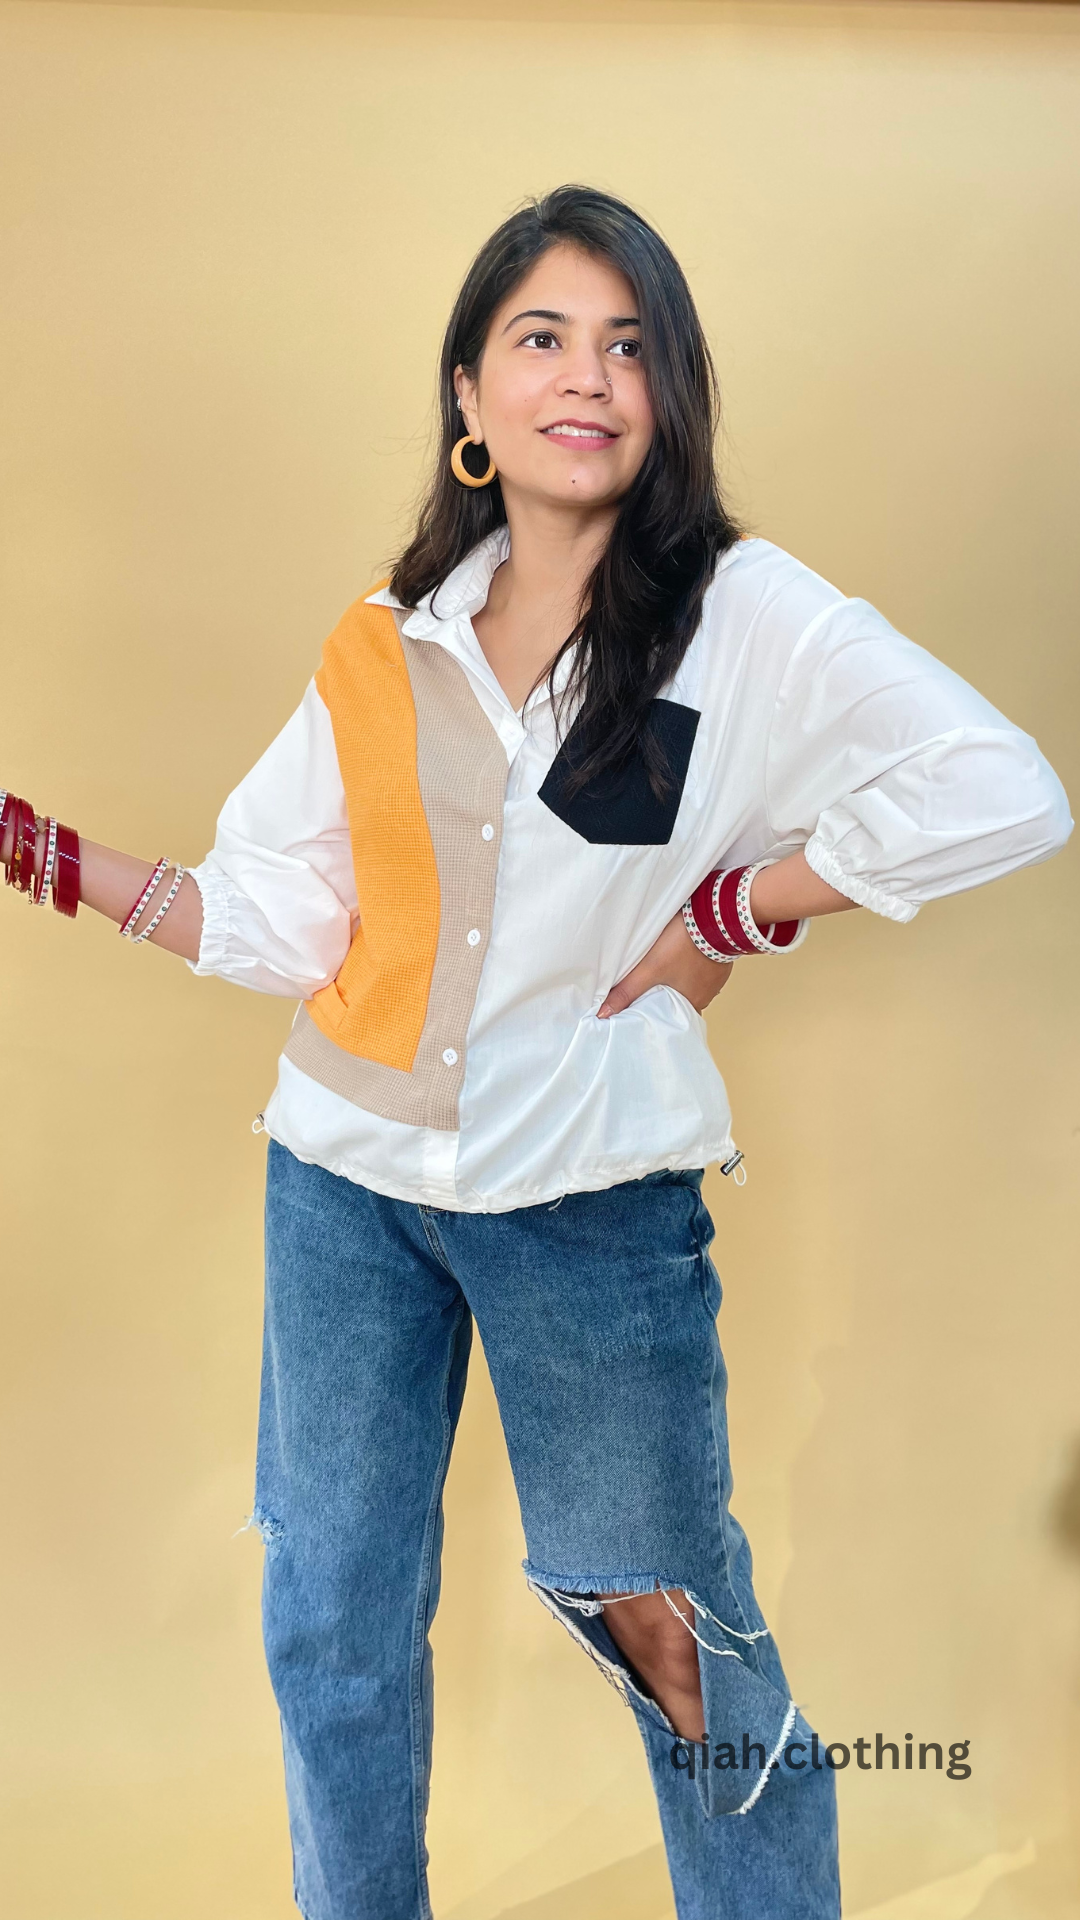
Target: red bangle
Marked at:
9, 816
784, 932
701, 907
726, 912
65, 886
14, 814
714, 909
21, 869
27, 877
16, 841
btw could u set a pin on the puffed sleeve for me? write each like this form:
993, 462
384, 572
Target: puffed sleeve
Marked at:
906, 782
278, 889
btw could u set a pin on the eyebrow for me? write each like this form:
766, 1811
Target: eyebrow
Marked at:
545, 313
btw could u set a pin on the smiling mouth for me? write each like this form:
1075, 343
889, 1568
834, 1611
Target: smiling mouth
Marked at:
583, 435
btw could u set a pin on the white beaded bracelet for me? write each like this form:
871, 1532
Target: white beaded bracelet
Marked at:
162, 910
145, 897
762, 942
50, 862
749, 925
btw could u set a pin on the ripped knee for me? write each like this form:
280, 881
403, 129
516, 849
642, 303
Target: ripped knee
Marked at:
728, 1682
652, 1628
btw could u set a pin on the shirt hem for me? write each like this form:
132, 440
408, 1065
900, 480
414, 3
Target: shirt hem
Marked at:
593, 1180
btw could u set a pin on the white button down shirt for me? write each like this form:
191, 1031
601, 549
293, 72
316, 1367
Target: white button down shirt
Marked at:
820, 728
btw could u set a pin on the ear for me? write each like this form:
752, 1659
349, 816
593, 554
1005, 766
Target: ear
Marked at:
465, 388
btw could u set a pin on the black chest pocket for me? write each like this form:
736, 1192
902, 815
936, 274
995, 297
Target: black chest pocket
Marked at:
619, 808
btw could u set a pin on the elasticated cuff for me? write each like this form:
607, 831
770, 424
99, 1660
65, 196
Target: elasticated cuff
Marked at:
823, 861
215, 927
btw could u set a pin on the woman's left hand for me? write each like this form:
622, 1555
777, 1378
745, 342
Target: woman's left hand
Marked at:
672, 961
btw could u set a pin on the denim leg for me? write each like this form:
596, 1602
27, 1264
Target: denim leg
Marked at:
776, 1862
366, 1348
598, 1317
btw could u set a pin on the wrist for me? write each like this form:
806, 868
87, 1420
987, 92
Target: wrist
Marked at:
40, 856
720, 922
789, 889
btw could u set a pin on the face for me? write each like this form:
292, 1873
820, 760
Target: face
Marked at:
560, 399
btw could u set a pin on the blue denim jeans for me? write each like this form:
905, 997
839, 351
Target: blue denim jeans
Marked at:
598, 1317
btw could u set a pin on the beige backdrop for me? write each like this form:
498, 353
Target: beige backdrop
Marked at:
229, 243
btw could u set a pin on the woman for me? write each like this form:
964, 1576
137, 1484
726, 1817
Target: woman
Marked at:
583, 749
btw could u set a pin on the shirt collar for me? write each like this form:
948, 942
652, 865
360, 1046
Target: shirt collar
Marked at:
464, 591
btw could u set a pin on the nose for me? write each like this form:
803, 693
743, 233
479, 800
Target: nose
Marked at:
585, 374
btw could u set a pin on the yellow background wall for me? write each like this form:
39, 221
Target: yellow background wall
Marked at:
229, 242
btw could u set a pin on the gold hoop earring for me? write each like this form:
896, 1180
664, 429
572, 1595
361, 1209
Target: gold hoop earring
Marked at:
461, 472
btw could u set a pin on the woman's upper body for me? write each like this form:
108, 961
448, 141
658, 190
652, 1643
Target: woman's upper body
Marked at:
797, 719
580, 692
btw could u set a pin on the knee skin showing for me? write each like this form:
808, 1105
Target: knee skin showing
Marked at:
662, 1651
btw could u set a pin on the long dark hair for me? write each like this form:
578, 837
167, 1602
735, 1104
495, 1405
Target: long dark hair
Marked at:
642, 602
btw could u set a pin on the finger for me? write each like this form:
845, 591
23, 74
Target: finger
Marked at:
622, 995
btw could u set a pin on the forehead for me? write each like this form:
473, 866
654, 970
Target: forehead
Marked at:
566, 280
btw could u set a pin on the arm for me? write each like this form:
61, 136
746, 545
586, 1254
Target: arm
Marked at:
272, 905
111, 882
901, 781
789, 890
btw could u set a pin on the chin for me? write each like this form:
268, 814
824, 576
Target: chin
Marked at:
580, 486
590, 487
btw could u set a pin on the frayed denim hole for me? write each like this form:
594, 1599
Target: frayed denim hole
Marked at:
269, 1529
555, 1599
564, 1598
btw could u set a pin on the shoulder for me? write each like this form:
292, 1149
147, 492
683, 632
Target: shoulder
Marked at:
366, 632
759, 605
762, 589
371, 614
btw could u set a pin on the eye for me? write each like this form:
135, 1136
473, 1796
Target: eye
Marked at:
542, 338
626, 349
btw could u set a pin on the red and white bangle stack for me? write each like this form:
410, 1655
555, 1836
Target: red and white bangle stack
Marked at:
718, 919
60, 866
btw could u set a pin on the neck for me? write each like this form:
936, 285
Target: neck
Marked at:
552, 553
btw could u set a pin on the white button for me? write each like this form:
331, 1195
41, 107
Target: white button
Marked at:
473, 937
450, 1056
487, 832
